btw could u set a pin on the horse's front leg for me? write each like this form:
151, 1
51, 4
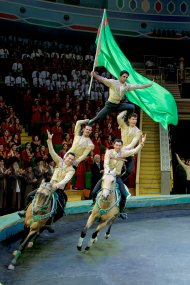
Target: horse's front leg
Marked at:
22, 246
107, 234
89, 223
95, 234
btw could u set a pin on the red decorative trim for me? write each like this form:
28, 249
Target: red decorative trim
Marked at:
8, 16
105, 23
83, 28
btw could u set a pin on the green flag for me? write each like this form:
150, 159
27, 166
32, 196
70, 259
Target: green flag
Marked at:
156, 101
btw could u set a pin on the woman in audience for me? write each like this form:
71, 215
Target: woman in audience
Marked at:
36, 117
16, 140
6, 138
46, 124
36, 141
27, 154
57, 133
67, 140
97, 143
13, 152
64, 149
108, 143
3, 152
18, 127
43, 153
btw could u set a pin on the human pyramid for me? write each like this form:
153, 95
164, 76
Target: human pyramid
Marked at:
122, 148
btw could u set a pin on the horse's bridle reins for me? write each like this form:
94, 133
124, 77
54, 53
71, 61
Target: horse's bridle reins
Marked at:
103, 211
44, 207
46, 204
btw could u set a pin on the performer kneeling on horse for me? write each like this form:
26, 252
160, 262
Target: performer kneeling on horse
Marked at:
63, 172
114, 158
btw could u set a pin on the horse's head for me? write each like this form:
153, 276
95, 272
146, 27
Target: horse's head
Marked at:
108, 183
42, 197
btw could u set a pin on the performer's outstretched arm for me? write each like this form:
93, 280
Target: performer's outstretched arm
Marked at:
78, 125
139, 86
52, 152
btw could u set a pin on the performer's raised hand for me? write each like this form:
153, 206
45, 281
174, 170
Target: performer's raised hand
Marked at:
49, 135
143, 139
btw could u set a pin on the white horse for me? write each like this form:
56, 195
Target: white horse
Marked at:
106, 209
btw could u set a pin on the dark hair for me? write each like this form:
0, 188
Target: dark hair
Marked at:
129, 116
71, 153
118, 140
132, 115
123, 72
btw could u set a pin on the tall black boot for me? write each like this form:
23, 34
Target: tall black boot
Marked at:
123, 215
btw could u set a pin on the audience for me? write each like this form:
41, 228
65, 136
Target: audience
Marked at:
51, 81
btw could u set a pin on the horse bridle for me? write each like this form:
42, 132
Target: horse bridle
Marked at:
46, 204
110, 190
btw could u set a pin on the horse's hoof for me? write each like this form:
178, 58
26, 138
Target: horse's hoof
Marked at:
11, 267
14, 252
107, 236
30, 244
87, 248
95, 240
79, 248
51, 231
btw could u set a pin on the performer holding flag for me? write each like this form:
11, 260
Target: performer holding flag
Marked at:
156, 101
117, 101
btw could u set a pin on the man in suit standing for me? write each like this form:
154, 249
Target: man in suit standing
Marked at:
97, 170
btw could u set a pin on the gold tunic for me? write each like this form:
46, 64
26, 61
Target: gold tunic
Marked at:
62, 173
129, 135
82, 145
111, 159
117, 89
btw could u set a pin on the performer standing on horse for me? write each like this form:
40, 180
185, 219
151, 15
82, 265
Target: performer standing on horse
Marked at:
82, 144
114, 158
81, 147
130, 136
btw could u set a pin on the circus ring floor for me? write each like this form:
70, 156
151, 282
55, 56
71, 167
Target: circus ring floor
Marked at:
152, 247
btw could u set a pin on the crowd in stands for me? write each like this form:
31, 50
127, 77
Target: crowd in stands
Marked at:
44, 85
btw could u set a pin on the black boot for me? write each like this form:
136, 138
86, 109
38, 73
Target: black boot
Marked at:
49, 229
22, 214
122, 215
90, 123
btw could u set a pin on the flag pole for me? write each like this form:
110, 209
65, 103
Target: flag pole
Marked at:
97, 49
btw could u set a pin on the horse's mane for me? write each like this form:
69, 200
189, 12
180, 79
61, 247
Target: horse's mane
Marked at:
110, 172
46, 185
